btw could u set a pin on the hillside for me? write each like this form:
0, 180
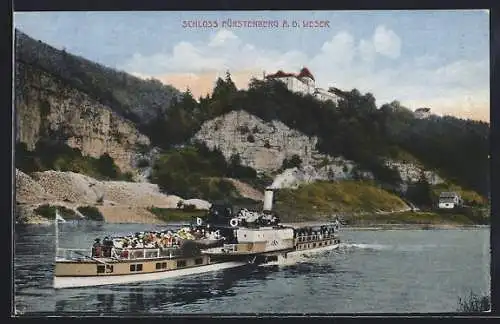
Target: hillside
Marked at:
324, 199
80, 118
133, 98
118, 201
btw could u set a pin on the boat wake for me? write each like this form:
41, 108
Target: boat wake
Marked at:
364, 246
386, 247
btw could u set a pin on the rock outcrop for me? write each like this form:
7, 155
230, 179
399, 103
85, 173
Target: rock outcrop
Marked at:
264, 145
410, 172
46, 107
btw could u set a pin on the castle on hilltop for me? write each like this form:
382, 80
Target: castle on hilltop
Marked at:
303, 82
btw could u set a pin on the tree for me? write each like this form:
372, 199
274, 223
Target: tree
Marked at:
107, 166
294, 162
420, 193
231, 87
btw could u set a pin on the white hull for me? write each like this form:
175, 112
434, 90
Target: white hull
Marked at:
74, 282
293, 257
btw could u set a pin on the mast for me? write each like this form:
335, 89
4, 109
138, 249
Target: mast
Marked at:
56, 225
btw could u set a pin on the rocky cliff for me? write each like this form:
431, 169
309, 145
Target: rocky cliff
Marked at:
47, 107
262, 145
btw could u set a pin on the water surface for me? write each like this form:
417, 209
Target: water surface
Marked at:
373, 271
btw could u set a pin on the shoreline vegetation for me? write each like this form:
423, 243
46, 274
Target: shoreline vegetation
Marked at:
365, 221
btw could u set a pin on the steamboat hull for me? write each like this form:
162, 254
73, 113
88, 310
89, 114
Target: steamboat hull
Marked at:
61, 282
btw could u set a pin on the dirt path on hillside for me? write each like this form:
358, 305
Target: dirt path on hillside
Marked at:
246, 190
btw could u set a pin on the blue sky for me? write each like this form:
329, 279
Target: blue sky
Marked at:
438, 59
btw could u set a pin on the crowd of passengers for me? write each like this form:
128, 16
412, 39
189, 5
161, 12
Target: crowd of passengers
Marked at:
322, 232
149, 240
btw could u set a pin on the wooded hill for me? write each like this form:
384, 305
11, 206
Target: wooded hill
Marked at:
355, 128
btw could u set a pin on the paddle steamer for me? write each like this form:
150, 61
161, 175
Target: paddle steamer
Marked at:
222, 239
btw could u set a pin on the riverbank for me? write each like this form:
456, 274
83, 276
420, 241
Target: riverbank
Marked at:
385, 227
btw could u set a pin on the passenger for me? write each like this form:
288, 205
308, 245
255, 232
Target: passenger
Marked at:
107, 245
96, 248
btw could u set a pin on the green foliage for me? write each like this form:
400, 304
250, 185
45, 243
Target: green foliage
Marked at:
238, 171
91, 212
106, 166
474, 303
49, 212
172, 214
52, 155
188, 207
293, 162
250, 138
327, 197
421, 194
196, 172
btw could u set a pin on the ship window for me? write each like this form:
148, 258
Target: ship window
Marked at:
198, 261
181, 263
161, 265
101, 269
136, 267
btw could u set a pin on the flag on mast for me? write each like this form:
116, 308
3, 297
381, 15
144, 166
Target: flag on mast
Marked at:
59, 218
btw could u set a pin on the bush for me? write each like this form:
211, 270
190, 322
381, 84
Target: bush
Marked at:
170, 214
251, 138
294, 162
127, 176
143, 163
188, 207
53, 155
49, 212
91, 212
474, 303
46, 211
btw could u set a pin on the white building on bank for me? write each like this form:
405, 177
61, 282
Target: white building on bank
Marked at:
303, 82
449, 200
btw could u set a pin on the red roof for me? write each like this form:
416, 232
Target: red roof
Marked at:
305, 73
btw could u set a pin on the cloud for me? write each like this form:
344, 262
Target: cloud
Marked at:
386, 42
453, 88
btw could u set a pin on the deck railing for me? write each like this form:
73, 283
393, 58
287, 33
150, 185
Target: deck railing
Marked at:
116, 253
72, 254
315, 237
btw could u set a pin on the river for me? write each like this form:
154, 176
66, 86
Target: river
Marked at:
394, 271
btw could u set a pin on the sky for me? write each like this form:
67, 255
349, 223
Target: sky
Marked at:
437, 59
